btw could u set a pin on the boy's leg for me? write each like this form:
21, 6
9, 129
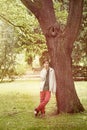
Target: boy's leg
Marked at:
45, 101
42, 97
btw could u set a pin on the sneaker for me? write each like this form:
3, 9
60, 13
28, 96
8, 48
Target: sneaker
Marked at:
36, 112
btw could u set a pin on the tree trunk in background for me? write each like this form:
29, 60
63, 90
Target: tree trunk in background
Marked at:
60, 45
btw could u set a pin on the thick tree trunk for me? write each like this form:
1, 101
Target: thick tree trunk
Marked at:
67, 99
60, 46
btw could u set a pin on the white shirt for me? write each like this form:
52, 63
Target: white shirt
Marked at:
52, 79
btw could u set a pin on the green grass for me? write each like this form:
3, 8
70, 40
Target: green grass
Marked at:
18, 100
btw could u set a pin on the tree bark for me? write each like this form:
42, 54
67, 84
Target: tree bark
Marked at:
67, 99
60, 45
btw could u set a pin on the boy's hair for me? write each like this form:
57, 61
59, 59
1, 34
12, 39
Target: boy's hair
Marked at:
46, 60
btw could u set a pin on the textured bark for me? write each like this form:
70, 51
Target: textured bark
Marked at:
67, 99
60, 45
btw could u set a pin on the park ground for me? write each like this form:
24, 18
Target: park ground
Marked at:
18, 100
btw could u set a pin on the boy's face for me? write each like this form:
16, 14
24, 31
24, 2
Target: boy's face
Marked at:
46, 65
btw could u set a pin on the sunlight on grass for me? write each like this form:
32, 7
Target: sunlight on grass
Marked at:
81, 88
18, 100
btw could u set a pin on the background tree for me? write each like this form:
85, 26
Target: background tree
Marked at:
7, 55
79, 54
80, 45
25, 25
60, 45
27, 31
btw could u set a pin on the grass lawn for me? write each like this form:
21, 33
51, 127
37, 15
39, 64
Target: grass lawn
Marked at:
18, 100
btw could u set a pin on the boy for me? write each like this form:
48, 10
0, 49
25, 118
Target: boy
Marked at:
48, 85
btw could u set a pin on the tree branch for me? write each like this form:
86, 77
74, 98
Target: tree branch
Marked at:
20, 27
74, 21
10, 22
32, 6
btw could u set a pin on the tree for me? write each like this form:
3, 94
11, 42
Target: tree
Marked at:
7, 52
60, 44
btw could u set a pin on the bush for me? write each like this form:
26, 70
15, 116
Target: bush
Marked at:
79, 72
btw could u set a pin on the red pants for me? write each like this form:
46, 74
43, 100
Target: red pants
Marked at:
44, 99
